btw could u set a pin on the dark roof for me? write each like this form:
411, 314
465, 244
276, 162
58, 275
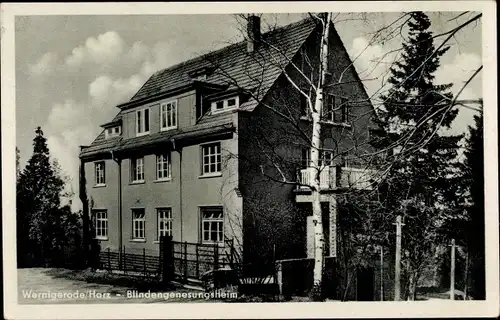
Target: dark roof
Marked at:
231, 66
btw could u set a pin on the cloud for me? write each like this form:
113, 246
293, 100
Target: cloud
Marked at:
102, 50
44, 65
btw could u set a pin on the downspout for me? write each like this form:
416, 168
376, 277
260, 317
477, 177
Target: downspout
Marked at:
120, 229
180, 186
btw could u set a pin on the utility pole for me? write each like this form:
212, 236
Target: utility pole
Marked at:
397, 282
381, 273
452, 271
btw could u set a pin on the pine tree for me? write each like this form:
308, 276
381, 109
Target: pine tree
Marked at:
418, 181
38, 208
473, 180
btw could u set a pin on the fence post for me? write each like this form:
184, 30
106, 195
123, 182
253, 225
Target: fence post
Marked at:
185, 261
109, 261
124, 260
216, 256
167, 257
144, 259
120, 257
197, 263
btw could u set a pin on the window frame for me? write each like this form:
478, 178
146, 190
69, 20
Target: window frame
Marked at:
173, 116
217, 163
133, 170
104, 223
166, 221
96, 176
140, 120
169, 166
141, 221
219, 221
225, 104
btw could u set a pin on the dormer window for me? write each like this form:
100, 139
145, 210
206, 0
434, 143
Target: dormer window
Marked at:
225, 104
113, 132
142, 122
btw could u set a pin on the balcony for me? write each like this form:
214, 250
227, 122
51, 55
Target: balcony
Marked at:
332, 178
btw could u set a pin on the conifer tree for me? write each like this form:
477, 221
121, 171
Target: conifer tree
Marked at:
38, 207
418, 181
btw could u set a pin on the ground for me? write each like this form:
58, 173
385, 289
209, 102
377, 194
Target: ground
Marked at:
43, 285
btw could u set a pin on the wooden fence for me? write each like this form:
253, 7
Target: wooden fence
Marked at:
182, 260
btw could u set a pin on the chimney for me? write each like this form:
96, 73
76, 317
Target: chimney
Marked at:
253, 33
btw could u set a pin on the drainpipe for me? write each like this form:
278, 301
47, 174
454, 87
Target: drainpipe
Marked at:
180, 185
120, 229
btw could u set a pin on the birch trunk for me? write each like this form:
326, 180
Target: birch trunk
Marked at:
316, 146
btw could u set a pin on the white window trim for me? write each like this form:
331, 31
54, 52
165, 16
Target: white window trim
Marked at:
201, 209
166, 127
137, 133
133, 170
113, 133
169, 164
213, 107
94, 213
210, 174
331, 119
96, 184
134, 238
170, 219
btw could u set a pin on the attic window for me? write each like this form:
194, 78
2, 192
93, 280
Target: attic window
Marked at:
112, 132
225, 104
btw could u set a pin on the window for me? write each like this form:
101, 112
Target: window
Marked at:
137, 169
336, 109
100, 218
212, 224
164, 222
163, 166
229, 103
325, 158
100, 178
112, 132
138, 224
211, 159
169, 115
304, 107
142, 124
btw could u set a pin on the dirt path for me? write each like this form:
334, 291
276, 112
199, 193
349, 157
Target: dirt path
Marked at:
42, 286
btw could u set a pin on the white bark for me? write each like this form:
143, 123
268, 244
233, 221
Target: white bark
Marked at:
316, 146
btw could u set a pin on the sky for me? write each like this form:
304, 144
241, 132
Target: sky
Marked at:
72, 71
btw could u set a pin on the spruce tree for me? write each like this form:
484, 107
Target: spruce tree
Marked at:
417, 184
38, 207
473, 180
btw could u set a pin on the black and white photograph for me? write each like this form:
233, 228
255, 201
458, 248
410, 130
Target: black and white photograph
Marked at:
250, 155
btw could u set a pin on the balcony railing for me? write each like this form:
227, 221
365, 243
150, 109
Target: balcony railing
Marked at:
332, 177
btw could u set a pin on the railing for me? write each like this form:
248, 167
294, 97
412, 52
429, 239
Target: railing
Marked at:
331, 177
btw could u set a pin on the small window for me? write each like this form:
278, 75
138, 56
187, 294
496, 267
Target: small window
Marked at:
344, 110
142, 124
306, 156
163, 166
100, 219
304, 103
164, 222
117, 130
169, 115
212, 224
137, 169
138, 224
326, 158
225, 104
100, 173
211, 158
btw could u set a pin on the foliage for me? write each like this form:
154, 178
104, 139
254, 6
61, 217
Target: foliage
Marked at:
44, 227
422, 170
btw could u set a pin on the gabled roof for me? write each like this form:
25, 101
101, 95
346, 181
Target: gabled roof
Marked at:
233, 66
